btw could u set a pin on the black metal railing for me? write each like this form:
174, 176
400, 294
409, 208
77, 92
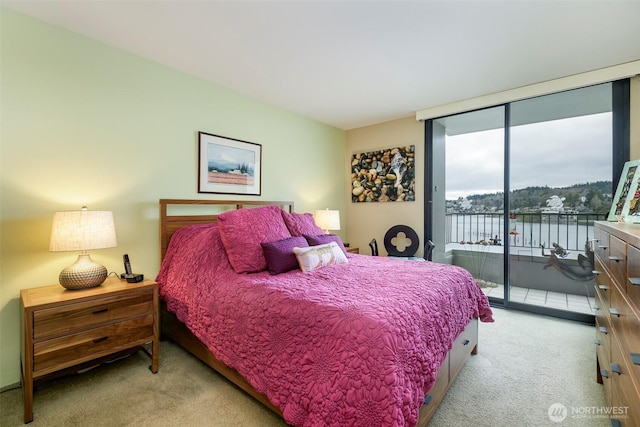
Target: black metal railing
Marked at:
525, 230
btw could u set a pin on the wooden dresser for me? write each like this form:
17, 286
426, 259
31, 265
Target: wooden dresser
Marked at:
66, 330
617, 293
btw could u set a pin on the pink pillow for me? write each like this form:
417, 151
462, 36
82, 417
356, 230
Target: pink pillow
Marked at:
300, 224
279, 254
242, 231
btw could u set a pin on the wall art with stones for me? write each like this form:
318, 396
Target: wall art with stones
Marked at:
387, 175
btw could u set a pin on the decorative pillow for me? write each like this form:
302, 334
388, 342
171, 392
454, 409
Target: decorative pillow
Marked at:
315, 257
242, 231
279, 254
321, 239
300, 224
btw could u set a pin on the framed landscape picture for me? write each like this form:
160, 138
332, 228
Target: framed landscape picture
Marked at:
228, 166
627, 186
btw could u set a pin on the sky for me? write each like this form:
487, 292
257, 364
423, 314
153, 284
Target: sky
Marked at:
556, 153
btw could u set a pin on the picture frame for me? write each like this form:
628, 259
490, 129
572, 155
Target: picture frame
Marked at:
384, 175
228, 165
625, 191
631, 208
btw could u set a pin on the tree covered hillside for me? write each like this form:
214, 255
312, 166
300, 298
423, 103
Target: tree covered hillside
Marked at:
589, 197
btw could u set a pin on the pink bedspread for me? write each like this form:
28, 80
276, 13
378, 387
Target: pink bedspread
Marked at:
350, 344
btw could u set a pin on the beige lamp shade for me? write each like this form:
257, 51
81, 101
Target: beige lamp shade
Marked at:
82, 230
327, 219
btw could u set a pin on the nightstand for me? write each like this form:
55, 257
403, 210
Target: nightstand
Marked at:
67, 330
353, 250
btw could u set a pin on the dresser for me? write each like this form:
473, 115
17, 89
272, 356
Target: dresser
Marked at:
617, 294
67, 330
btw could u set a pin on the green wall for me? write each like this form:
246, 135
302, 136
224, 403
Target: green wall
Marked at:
83, 123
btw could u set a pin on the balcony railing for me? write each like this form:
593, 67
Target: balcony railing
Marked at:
526, 230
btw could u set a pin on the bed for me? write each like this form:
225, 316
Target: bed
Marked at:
354, 340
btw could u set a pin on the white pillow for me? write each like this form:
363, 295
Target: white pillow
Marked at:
315, 257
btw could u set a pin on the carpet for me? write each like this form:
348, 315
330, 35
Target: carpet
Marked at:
525, 364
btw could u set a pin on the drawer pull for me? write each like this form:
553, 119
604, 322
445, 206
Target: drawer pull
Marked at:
596, 307
602, 247
614, 311
465, 342
596, 342
596, 272
102, 310
635, 358
616, 368
97, 340
604, 373
614, 258
427, 399
603, 287
635, 281
603, 329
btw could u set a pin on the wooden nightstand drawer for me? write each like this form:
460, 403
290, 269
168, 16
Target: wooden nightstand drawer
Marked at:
70, 350
77, 317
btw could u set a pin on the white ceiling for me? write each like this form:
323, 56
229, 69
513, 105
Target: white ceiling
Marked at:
355, 63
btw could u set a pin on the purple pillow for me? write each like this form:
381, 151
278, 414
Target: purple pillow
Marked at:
242, 231
279, 254
321, 239
300, 224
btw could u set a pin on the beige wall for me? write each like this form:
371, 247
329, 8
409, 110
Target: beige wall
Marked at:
366, 221
83, 123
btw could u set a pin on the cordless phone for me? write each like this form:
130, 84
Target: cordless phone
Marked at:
127, 265
128, 274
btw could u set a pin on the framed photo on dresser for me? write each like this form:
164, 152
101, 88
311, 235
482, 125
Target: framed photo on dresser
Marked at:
625, 204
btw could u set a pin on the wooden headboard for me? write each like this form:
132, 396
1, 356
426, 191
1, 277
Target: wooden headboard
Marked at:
169, 222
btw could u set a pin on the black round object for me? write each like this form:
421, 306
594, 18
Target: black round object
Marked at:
410, 250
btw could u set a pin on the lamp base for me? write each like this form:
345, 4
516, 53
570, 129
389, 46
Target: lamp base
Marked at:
83, 274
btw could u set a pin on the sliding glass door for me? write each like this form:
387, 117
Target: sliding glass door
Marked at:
472, 200
560, 181
512, 193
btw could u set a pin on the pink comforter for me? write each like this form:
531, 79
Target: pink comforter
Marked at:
350, 344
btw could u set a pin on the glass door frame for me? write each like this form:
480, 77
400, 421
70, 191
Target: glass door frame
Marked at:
621, 153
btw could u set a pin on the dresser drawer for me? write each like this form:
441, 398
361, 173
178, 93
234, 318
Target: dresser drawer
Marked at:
618, 261
633, 282
601, 244
627, 330
72, 318
70, 350
603, 343
626, 392
603, 289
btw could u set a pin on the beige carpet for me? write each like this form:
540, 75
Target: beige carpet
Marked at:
525, 364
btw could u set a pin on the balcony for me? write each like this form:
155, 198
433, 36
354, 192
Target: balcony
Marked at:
562, 280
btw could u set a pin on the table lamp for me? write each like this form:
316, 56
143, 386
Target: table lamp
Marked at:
82, 231
328, 219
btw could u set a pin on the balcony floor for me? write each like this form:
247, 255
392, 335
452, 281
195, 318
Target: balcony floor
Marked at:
569, 302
